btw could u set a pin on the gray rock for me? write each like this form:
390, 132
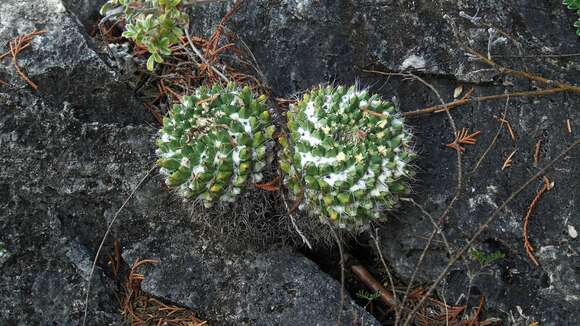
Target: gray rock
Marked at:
271, 287
86, 11
298, 44
44, 276
64, 65
70, 155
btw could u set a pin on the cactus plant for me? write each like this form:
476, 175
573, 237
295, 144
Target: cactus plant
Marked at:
214, 143
347, 156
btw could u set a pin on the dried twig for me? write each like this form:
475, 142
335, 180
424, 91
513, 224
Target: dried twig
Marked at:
528, 246
485, 225
508, 126
537, 151
509, 160
458, 103
364, 276
565, 87
554, 88
18, 44
463, 138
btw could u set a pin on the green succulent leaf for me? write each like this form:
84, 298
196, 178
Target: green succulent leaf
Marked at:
156, 24
574, 5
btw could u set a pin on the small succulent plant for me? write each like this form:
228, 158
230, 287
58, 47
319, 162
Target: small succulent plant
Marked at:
155, 24
347, 156
215, 143
574, 5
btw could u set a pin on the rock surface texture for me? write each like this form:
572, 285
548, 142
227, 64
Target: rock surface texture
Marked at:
71, 152
299, 44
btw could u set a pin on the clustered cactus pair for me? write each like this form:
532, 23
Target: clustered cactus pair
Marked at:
345, 155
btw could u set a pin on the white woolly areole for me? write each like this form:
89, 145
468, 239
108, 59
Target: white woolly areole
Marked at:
333, 178
244, 122
308, 137
306, 158
310, 113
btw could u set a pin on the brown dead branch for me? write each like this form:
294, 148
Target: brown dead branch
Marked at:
509, 160
16, 46
554, 87
528, 246
364, 276
458, 103
565, 87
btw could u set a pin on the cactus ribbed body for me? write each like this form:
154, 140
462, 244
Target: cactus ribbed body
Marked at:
214, 143
347, 156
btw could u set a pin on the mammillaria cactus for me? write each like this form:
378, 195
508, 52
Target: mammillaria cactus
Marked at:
214, 143
347, 156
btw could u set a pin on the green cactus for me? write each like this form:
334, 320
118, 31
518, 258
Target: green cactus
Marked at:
347, 156
215, 143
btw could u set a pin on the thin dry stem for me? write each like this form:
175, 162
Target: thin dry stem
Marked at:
509, 160
484, 226
109, 227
